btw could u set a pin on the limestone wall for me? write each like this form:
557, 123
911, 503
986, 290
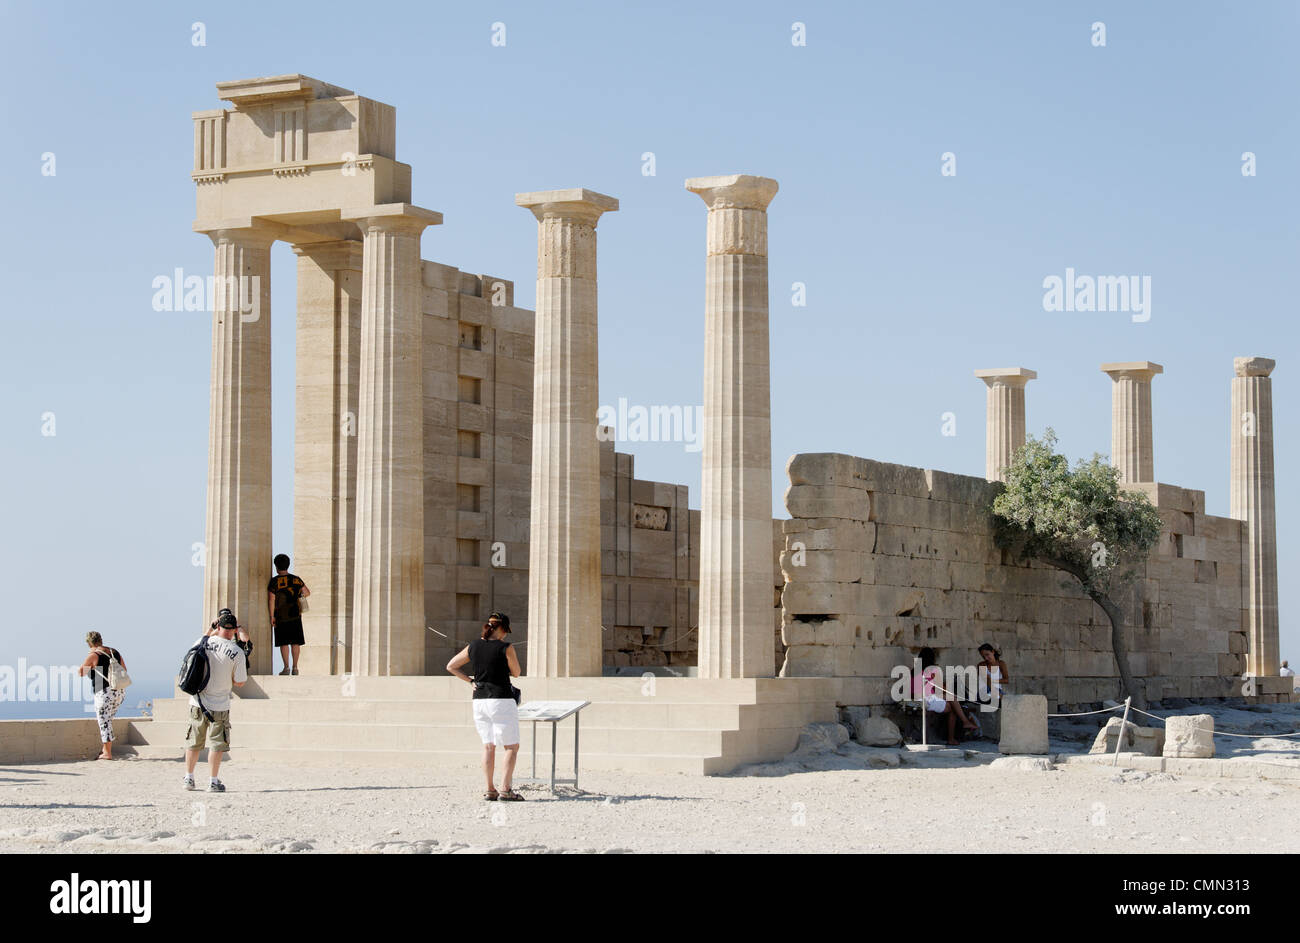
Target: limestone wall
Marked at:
478, 391
57, 741
896, 558
478, 395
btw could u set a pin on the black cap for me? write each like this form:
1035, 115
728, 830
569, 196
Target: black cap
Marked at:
502, 618
226, 620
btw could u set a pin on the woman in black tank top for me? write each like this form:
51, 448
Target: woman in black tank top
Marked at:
493, 662
107, 698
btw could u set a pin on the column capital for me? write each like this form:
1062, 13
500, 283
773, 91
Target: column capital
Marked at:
1007, 376
734, 191
1252, 366
245, 231
1137, 369
399, 217
340, 255
575, 203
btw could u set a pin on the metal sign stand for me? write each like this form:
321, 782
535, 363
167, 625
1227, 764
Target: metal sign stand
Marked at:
554, 712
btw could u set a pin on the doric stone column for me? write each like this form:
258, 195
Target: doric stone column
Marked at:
1130, 419
238, 527
1005, 419
564, 513
388, 633
735, 637
325, 446
1253, 501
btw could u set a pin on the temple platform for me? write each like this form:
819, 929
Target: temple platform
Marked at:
688, 725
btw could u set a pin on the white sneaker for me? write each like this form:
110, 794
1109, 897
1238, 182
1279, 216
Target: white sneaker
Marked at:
188, 783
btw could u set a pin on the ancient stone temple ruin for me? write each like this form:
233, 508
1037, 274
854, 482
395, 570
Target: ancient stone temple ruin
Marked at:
447, 462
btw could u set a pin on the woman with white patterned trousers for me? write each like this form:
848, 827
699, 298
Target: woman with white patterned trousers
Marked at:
107, 698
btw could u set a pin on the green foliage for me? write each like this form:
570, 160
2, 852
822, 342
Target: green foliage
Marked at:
1077, 519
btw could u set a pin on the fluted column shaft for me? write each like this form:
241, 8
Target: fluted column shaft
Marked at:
1005, 417
1131, 439
1253, 500
564, 598
238, 523
736, 578
325, 446
388, 601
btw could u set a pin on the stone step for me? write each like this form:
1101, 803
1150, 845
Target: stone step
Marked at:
343, 736
685, 724
597, 690
424, 759
632, 714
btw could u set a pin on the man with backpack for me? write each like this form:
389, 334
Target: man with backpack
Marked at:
211, 668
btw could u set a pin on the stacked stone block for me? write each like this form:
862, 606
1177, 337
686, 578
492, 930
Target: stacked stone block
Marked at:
896, 558
478, 378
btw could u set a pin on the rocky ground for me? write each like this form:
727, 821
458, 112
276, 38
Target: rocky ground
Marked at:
831, 795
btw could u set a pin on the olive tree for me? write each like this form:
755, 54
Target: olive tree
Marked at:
1080, 521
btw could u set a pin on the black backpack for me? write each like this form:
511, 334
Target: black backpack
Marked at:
195, 672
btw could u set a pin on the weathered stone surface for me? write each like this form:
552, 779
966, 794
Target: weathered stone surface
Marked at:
933, 576
855, 718
1005, 422
821, 738
564, 585
1148, 741
1036, 764
809, 661
828, 501
1190, 735
878, 732
1131, 434
735, 598
1024, 724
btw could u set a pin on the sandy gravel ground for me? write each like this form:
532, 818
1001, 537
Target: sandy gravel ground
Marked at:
135, 805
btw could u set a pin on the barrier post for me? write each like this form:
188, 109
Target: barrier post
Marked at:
1123, 727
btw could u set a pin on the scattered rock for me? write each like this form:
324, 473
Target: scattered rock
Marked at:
1025, 763
1148, 741
878, 732
1189, 735
821, 738
855, 718
1024, 724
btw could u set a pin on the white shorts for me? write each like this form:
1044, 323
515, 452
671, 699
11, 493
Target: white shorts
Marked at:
497, 720
935, 704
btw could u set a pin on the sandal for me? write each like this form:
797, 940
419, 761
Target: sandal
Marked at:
509, 795
491, 795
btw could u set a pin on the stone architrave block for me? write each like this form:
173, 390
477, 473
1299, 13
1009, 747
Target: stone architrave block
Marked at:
809, 661
806, 501
1024, 724
1189, 736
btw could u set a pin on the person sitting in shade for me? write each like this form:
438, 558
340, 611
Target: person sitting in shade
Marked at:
928, 687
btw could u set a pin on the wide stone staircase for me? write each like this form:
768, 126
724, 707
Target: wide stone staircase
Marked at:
689, 725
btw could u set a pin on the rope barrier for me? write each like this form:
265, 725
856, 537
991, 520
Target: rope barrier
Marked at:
1086, 713
1224, 733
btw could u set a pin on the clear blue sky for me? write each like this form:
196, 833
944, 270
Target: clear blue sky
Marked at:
1117, 160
